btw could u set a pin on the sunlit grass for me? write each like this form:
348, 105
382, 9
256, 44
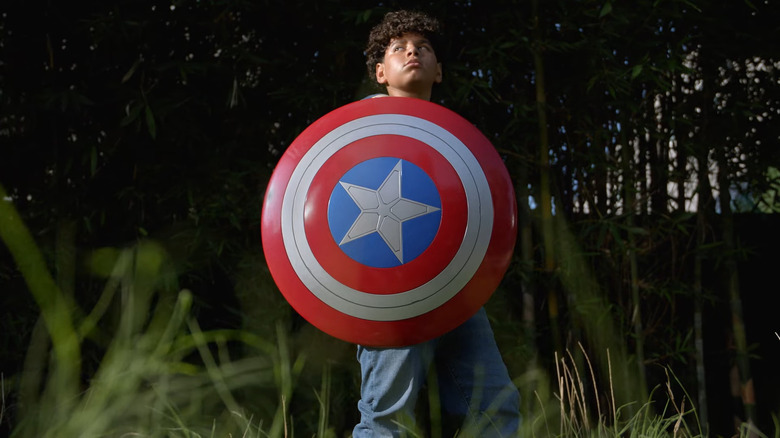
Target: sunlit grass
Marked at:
153, 372
161, 375
586, 410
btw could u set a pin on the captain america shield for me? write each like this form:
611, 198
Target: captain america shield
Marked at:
389, 222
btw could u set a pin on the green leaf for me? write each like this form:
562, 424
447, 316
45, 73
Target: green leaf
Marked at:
130, 72
150, 124
606, 9
132, 113
636, 71
101, 262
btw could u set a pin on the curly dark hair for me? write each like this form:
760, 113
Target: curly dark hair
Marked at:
393, 25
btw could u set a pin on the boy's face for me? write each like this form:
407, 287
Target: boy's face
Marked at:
410, 67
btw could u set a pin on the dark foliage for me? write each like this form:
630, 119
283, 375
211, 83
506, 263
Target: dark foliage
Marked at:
127, 120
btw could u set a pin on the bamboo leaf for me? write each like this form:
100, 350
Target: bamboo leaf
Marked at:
605, 10
131, 71
636, 71
132, 111
150, 123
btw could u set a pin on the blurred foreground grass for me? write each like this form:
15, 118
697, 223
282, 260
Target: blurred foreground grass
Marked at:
151, 371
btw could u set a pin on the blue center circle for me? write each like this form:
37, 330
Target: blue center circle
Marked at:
384, 212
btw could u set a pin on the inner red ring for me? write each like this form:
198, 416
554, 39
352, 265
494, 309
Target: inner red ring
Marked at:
409, 275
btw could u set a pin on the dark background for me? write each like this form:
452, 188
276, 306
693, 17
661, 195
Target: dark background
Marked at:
131, 121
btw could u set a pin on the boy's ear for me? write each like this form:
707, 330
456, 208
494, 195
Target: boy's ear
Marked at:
380, 73
439, 73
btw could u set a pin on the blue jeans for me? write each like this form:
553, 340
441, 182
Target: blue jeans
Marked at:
473, 382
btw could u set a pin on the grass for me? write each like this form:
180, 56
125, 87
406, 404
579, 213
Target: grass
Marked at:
139, 364
607, 421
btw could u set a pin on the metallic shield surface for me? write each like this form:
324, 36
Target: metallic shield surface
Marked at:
389, 221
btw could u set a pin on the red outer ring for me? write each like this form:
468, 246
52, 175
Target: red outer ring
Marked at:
423, 327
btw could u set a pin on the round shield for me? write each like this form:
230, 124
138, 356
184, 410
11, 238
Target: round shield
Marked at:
389, 221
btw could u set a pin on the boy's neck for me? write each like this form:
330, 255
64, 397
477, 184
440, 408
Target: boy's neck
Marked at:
401, 93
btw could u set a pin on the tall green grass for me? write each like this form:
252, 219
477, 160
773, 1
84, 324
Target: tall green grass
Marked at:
137, 363
158, 373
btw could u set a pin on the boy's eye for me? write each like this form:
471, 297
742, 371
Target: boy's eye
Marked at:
401, 47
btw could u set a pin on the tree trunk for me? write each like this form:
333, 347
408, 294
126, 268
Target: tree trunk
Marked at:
742, 361
698, 329
705, 211
659, 159
629, 191
525, 242
527, 288
545, 193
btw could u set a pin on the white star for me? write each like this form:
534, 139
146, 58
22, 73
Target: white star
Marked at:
383, 211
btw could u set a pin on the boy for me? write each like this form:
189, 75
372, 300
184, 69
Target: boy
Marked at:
475, 390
